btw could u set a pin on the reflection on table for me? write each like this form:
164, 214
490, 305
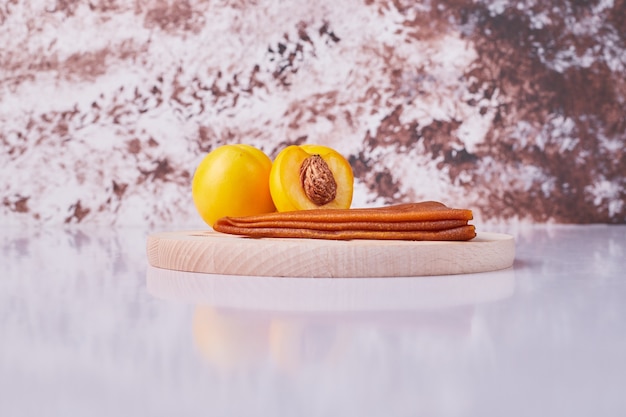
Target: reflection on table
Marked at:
240, 323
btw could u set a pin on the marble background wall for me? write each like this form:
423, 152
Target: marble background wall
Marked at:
514, 109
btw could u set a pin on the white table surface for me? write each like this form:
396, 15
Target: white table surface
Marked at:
88, 329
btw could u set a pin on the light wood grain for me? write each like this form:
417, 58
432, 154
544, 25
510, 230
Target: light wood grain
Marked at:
217, 253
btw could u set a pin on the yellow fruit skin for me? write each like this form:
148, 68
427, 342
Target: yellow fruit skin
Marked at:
286, 188
232, 180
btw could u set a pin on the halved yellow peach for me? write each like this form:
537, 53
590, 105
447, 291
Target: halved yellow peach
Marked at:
309, 177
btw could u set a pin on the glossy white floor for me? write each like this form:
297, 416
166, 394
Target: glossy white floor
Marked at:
88, 329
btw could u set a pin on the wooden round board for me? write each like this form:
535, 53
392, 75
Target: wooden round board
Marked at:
217, 253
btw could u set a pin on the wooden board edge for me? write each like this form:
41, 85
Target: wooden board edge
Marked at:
202, 258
